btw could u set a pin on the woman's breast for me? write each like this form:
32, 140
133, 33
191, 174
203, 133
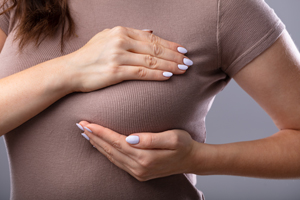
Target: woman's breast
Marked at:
48, 156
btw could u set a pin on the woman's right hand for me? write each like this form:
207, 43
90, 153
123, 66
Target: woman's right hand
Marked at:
122, 53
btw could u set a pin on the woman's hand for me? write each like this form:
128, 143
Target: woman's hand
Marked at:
155, 155
121, 53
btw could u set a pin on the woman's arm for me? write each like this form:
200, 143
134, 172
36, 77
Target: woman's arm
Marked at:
27, 93
273, 81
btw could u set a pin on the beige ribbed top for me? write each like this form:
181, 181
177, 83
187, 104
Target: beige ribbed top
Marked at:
48, 157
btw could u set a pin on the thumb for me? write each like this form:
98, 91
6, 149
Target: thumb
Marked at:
162, 140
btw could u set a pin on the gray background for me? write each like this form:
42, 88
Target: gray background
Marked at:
234, 117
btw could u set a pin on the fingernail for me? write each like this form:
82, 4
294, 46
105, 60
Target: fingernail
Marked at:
85, 136
187, 62
147, 30
181, 50
133, 139
183, 67
168, 74
89, 130
79, 126
94, 146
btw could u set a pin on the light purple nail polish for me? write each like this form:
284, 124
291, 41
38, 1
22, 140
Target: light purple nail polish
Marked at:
133, 139
85, 136
147, 30
167, 74
187, 62
89, 130
183, 67
181, 50
79, 126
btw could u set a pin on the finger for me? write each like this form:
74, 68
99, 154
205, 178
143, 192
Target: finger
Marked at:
114, 139
156, 50
81, 124
125, 164
151, 38
163, 140
151, 62
110, 153
120, 160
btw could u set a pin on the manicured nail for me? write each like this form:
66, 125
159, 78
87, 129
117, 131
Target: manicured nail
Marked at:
181, 50
85, 136
79, 126
133, 139
187, 62
183, 67
89, 130
147, 30
168, 74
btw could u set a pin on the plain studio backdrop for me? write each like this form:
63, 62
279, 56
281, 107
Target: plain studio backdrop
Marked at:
234, 117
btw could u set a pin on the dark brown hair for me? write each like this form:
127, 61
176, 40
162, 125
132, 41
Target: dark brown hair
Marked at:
40, 18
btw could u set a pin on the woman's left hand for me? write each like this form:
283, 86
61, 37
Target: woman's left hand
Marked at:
155, 155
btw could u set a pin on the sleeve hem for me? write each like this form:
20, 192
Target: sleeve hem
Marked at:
264, 43
4, 29
4, 19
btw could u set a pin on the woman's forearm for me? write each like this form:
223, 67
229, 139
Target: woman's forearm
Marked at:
26, 93
277, 156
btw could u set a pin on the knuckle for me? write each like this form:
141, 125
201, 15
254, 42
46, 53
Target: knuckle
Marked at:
149, 141
140, 175
92, 142
107, 151
151, 61
119, 29
140, 155
116, 145
120, 41
153, 39
175, 140
157, 49
110, 158
113, 69
152, 141
145, 162
141, 72
115, 56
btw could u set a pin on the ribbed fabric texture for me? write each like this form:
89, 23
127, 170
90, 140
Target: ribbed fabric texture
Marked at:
4, 19
49, 159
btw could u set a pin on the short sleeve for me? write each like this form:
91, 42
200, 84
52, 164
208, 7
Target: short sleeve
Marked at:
246, 28
4, 18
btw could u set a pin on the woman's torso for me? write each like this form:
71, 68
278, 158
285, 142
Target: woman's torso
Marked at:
49, 159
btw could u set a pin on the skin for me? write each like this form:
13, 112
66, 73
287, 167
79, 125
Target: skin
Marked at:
272, 80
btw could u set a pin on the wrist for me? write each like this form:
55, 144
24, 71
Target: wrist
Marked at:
60, 77
206, 159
